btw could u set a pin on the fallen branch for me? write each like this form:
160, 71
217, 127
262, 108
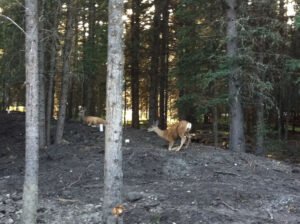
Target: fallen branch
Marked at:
79, 178
67, 200
228, 206
226, 173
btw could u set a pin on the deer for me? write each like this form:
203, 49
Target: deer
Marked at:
180, 130
90, 120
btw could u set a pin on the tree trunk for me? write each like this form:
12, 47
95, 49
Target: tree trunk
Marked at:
89, 65
42, 110
164, 63
153, 107
75, 97
113, 174
52, 70
85, 81
125, 104
3, 104
70, 101
135, 68
215, 126
280, 122
287, 115
284, 107
65, 73
260, 126
237, 138
30, 190
92, 68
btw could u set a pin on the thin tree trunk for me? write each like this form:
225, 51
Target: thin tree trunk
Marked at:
70, 99
294, 114
85, 81
215, 126
75, 93
65, 73
237, 138
30, 190
42, 115
153, 107
164, 66
113, 173
89, 66
260, 126
249, 119
3, 105
260, 113
125, 104
284, 108
279, 115
52, 71
135, 68
92, 68
287, 116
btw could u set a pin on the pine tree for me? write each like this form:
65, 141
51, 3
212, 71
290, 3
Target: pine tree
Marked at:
113, 174
30, 191
66, 72
237, 138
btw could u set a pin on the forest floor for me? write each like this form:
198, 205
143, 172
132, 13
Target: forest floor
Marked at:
200, 184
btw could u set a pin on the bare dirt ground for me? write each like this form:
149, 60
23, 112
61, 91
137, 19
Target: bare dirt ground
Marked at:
197, 185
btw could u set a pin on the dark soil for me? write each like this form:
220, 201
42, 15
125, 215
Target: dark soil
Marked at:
197, 185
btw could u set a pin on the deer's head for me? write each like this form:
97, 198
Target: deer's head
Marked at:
153, 127
82, 111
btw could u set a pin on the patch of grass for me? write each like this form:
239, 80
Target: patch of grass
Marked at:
156, 219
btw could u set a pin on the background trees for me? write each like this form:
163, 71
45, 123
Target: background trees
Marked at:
176, 64
12, 57
232, 68
66, 70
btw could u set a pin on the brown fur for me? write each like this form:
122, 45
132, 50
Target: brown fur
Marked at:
179, 130
90, 120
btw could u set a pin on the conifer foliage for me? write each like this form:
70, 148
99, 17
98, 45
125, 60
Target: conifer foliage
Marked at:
229, 67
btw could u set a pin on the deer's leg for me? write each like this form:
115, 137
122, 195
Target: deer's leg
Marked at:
183, 139
171, 145
188, 140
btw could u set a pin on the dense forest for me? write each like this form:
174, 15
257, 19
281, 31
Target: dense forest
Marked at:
225, 74
183, 60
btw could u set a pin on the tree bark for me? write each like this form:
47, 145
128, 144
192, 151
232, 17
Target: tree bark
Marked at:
75, 95
92, 68
3, 85
215, 126
153, 92
113, 173
65, 73
30, 190
164, 63
237, 138
287, 115
260, 126
52, 70
89, 66
135, 68
42, 115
